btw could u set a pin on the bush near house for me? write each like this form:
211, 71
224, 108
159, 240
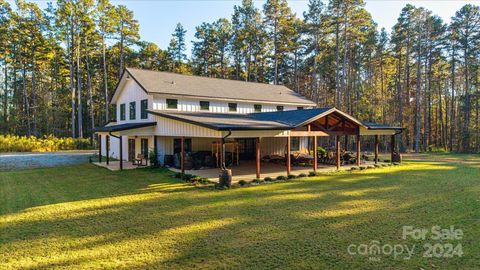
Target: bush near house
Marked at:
11, 143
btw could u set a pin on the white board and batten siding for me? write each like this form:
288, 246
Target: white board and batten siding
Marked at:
133, 92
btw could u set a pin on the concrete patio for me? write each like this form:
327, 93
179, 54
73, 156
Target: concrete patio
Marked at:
115, 165
246, 170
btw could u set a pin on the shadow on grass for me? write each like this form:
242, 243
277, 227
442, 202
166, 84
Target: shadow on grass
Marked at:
145, 219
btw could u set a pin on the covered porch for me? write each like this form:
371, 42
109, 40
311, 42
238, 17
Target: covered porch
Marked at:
279, 130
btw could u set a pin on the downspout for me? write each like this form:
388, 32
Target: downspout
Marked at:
223, 149
121, 146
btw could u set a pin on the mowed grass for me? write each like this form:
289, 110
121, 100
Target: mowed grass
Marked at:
84, 217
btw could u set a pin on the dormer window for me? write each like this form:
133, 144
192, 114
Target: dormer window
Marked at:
279, 108
204, 105
257, 107
172, 103
232, 107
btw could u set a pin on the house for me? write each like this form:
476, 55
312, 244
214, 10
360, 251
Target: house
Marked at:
175, 115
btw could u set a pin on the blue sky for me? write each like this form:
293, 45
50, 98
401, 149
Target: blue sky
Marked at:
158, 17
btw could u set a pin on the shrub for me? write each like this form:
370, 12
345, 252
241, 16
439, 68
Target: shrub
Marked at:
302, 175
187, 177
204, 180
179, 175
354, 168
256, 180
153, 158
12, 143
281, 178
377, 165
396, 163
312, 173
291, 176
386, 160
362, 168
321, 151
242, 183
267, 179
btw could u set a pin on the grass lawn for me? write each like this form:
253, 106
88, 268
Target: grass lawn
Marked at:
84, 217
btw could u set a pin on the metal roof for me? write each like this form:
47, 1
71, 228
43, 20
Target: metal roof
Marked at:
371, 125
156, 82
280, 120
127, 126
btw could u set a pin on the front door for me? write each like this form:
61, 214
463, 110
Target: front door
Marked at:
131, 149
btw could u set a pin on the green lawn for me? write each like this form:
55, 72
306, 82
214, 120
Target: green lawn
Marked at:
84, 217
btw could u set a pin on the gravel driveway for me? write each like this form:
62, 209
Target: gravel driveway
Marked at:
18, 161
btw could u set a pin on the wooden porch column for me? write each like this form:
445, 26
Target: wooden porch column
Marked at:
182, 155
257, 157
376, 149
358, 150
289, 168
107, 148
315, 157
121, 153
99, 148
392, 148
338, 152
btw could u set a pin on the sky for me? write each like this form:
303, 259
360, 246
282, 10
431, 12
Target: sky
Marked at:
157, 18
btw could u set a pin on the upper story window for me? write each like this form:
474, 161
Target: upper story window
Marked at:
299, 108
279, 108
132, 110
257, 107
143, 109
232, 107
204, 105
122, 111
172, 103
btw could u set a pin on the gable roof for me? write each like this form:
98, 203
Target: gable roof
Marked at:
156, 82
280, 120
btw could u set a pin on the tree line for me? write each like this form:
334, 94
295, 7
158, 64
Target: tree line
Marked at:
61, 64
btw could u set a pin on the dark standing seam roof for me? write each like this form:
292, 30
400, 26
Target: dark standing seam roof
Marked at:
292, 118
157, 82
372, 125
126, 126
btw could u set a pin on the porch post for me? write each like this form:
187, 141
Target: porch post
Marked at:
107, 146
288, 156
358, 150
338, 152
315, 157
376, 149
99, 148
121, 152
257, 157
182, 155
392, 148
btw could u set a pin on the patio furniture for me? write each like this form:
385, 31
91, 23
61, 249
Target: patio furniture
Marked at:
139, 160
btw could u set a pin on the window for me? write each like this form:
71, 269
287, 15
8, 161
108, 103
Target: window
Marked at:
177, 146
257, 107
122, 111
132, 110
143, 109
279, 108
295, 144
299, 108
204, 105
172, 103
232, 107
